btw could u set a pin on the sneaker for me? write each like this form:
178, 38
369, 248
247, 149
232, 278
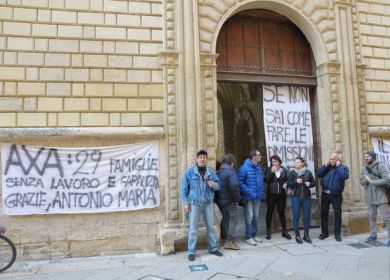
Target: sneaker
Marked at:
371, 238
251, 242
258, 239
338, 238
230, 245
323, 236
191, 257
217, 253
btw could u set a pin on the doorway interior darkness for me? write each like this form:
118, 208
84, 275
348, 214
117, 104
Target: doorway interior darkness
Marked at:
241, 120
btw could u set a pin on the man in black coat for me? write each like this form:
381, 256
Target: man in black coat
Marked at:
228, 198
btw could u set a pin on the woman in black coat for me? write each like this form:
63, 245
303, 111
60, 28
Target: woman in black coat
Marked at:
300, 180
275, 179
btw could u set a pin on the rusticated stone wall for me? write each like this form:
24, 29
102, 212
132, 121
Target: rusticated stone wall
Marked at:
67, 65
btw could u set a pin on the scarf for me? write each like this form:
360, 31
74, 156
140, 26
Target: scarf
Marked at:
301, 171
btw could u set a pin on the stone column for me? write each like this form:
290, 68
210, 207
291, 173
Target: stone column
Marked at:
173, 122
348, 109
209, 124
180, 61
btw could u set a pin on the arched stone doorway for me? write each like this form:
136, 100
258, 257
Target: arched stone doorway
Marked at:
190, 83
259, 47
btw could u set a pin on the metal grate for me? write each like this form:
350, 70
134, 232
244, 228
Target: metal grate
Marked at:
198, 267
376, 244
359, 245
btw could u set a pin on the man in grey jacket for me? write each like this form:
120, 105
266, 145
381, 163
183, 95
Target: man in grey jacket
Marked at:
374, 177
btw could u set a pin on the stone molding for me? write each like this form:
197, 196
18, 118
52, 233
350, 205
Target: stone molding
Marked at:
379, 131
11, 134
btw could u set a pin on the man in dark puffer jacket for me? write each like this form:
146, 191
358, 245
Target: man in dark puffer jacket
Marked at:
333, 175
251, 181
227, 199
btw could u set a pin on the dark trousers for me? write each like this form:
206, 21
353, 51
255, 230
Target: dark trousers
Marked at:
229, 221
224, 222
280, 202
326, 201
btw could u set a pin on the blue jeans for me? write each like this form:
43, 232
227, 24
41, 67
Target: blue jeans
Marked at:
195, 213
251, 213
299, 203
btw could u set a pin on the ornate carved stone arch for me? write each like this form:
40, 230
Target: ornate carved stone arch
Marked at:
190, 84
330, 28
313, 18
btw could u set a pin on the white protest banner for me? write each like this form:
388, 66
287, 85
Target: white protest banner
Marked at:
46, 180
382, 149
287, 124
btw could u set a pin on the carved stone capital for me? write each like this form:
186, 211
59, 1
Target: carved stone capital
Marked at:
208, 59
328, 68
169, 58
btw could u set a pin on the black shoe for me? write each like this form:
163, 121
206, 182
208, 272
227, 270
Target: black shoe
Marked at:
268, 235
298, 239
307, 238
191, 257
323, 236
338, 238
217, 253
286, 235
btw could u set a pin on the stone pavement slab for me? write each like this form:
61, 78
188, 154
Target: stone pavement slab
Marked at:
275, 259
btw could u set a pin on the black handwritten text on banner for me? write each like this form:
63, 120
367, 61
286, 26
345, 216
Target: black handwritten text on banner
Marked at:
42, 180
382, 149
287, 124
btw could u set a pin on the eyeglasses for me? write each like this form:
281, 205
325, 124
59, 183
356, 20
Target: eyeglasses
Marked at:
258, 155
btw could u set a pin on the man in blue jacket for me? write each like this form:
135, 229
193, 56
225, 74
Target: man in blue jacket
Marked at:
333, 175
250, 177
198, 185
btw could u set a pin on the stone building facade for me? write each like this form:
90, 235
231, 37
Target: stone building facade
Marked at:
106, 72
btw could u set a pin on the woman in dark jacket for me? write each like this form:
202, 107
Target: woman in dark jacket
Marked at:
227, 200
300, 180
275, 179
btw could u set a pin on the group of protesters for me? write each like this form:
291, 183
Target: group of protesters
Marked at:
247, 187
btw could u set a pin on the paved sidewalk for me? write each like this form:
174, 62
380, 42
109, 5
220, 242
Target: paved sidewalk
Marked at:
279, 259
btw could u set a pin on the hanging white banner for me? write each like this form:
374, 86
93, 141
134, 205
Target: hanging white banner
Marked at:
287, 124
382, 149
46, 180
